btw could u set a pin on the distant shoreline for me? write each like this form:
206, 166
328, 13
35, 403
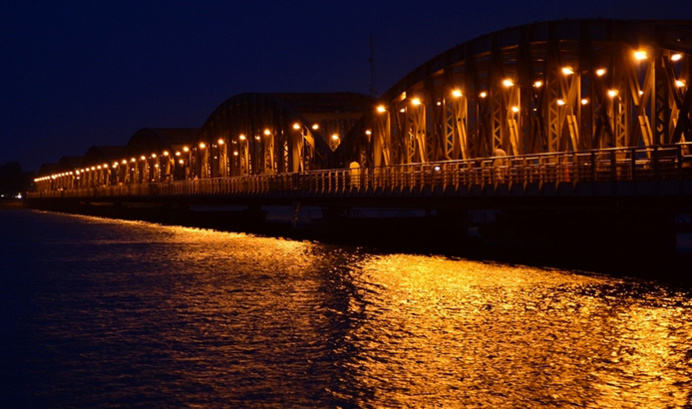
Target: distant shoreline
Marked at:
12, 204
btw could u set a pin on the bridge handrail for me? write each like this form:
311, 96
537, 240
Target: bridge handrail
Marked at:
604, 165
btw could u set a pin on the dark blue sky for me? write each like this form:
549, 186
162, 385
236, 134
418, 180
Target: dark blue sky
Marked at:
75, 74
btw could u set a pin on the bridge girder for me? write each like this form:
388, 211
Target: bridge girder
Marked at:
550, 87
274, 133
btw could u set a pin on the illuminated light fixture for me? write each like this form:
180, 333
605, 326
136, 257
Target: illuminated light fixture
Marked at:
457, 93
640, 55
235, 153
436, 168
316, 126
680, 83
124, 161
416, 101
257, 137
93, 168
561, 102
483, 94
641, 92
177, 153
676, 57
515, 109
267, 132
381, 109
538, 84
402, 110
182, 162
335, 137
612, 93
584, 101
186, 149
368, 132
143, 157
153, 156
202, 145
115, 164
567, 70
105, 165
296, 126
508, 83
220, 141
242, 137
600, 72
133, 160
439, 103
165, 153
403, 96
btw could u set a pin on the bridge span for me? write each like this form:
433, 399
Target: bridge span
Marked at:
577, 129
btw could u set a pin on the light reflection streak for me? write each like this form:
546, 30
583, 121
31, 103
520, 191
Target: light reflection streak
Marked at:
234, 318
464, 333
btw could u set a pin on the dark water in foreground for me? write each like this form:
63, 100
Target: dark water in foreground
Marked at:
100, 313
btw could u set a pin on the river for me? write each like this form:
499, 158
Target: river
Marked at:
100, 313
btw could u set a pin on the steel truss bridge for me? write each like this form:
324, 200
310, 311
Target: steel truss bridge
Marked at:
587, 111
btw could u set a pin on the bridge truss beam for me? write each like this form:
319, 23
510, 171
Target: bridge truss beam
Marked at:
542, 88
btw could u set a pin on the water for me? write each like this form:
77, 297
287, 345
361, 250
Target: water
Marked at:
100, 313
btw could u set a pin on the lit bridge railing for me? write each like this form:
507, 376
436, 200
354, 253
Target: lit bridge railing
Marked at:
517, 173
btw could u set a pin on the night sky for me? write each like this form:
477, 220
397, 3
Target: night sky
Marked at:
76, 74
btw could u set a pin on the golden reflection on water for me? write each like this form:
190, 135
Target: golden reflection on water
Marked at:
412, 331
469, 333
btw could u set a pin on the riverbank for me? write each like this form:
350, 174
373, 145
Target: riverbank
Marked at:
13, 204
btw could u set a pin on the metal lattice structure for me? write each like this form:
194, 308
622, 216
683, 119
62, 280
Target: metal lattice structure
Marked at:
562, 86
275, 133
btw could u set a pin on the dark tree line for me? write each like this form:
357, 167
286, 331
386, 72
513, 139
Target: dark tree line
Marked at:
13, 180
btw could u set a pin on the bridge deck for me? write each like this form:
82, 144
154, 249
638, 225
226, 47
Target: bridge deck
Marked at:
664, 171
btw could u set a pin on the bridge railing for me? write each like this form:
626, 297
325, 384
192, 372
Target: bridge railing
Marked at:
605, 165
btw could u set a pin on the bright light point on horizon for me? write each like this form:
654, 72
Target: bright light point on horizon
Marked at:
202, 145
186, 149
220, 141
242, 137
315, 127
267, 132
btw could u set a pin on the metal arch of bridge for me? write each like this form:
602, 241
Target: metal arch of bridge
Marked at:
267, 134
564, 86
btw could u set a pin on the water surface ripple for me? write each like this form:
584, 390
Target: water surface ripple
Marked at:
100, 313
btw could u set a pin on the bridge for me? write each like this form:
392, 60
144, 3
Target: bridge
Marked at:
584, 124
